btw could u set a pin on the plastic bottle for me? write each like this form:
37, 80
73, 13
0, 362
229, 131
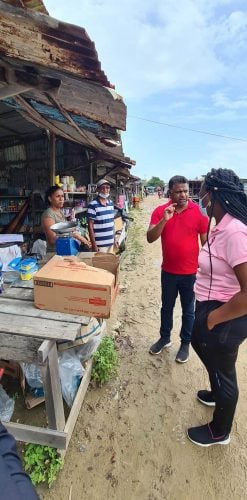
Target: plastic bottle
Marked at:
72, 215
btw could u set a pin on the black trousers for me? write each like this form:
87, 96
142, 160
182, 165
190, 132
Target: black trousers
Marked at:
14, 483
218, 350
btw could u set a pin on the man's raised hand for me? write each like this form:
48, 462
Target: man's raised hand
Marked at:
169, 211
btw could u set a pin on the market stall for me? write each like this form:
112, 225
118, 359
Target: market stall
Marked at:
60, 118
34, 336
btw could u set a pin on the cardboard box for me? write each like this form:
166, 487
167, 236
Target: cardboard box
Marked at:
85, 285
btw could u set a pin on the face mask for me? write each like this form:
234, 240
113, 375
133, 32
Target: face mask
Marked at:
105, 196
202, 208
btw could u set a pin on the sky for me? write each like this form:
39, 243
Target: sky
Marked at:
180, 66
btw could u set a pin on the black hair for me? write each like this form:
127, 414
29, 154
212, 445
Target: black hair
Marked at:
50, 192
177, 179
228, 190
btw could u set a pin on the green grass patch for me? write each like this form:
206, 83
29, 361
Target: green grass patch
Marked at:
105, 361
42, 463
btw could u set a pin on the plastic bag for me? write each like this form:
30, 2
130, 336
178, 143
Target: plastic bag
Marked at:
71, 371
85, 351
6, 405
33, 376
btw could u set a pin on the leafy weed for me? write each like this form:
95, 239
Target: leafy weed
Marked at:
42, 463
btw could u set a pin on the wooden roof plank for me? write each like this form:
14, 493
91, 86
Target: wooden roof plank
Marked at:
55, 44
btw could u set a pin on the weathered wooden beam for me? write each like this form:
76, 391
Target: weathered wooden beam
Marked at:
93, 101
54, 44
14, 293
66, 130
57, 49
44, 350
80, 395
9, 90
38, 328
52, 390
33, 116
19, 348
70, 121
37, 435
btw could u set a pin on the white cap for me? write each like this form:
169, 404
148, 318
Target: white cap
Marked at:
101, 182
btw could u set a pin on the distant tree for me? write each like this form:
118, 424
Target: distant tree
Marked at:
155, 181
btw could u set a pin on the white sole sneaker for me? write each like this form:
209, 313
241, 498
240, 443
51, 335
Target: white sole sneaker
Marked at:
205, 402
180, 361
225, 441
166, 346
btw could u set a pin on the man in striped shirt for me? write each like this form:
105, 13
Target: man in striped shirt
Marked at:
100, 216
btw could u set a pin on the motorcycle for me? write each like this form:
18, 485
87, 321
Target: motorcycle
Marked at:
121, 232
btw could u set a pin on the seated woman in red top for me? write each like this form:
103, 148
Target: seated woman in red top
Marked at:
221, 302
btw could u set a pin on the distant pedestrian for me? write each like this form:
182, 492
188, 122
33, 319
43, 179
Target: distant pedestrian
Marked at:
179, 223
159, 191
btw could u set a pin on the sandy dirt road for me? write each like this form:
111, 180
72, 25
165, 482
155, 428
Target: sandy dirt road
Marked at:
130, 441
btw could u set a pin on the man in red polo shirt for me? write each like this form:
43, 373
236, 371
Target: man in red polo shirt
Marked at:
179, 223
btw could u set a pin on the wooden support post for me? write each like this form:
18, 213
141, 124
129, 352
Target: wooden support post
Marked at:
91, 173
52, 390
70, 424
52, 144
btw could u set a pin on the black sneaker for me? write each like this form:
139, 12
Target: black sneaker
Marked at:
203, 436
206, 398
159, 346
183, 353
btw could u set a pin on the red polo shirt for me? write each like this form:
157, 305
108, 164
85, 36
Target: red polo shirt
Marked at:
179, 238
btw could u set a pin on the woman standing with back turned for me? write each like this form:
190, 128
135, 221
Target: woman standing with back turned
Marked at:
221, 309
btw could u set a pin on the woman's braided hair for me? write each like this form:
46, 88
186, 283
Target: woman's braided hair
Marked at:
228, 190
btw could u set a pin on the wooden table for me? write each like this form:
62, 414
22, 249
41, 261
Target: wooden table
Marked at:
29, 334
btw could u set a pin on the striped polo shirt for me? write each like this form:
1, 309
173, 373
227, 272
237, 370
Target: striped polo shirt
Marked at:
103, 217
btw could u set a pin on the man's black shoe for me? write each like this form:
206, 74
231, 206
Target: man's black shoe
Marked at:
203, 436
183, 353
206, 398
159, 346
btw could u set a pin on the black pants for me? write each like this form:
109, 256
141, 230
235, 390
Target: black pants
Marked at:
218, 350
14, 483
171, 285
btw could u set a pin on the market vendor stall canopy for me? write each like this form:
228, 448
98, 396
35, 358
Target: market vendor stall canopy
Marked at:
50, 75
